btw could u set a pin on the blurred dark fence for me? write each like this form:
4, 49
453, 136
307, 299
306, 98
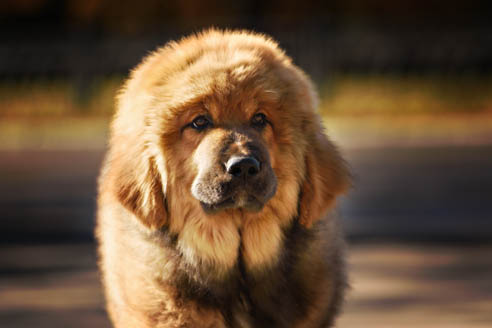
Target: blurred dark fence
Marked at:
319, 49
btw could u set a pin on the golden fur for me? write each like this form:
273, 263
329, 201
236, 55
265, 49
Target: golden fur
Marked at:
167, 259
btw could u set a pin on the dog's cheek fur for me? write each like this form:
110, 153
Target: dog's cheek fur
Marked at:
134, 178
326, 177
210, 242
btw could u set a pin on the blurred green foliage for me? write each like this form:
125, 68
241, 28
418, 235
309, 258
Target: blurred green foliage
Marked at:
413, 94
58, 97
356, 109
343, 94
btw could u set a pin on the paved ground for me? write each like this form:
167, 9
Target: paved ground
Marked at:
439, 193
392, 286
410, 286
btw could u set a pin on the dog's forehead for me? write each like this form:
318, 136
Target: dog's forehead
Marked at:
229, 95
237, 103
228, 86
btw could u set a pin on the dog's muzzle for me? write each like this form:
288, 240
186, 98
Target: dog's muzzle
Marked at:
240, 182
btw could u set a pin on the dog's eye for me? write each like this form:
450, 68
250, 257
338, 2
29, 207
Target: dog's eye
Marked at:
200, 123
259, 120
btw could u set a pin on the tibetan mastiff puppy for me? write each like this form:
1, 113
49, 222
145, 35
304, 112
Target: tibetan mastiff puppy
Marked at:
215, 194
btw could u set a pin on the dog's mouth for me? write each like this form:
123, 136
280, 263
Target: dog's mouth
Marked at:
242, 183
227, 195
240, 201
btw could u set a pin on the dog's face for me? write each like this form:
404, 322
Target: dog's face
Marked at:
232, 161
217, 132
228, 146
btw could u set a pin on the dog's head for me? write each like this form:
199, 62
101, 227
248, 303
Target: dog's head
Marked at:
219, 124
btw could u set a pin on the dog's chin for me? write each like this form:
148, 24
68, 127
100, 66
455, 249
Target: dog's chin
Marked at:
244, 201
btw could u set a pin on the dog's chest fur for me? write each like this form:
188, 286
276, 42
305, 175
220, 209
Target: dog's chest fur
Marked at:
274, 297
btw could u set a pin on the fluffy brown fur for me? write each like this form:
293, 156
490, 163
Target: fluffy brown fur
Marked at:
185, 241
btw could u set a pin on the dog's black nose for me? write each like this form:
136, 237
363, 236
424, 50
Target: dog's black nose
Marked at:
243, 166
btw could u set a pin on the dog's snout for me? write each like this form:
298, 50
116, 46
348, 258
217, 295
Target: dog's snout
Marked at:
243, 166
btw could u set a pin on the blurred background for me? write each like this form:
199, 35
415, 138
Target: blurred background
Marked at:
406, 93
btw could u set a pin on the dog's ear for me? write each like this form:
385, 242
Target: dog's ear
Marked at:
137, 182
326, 176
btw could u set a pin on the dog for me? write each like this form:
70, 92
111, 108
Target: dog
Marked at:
215, 196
